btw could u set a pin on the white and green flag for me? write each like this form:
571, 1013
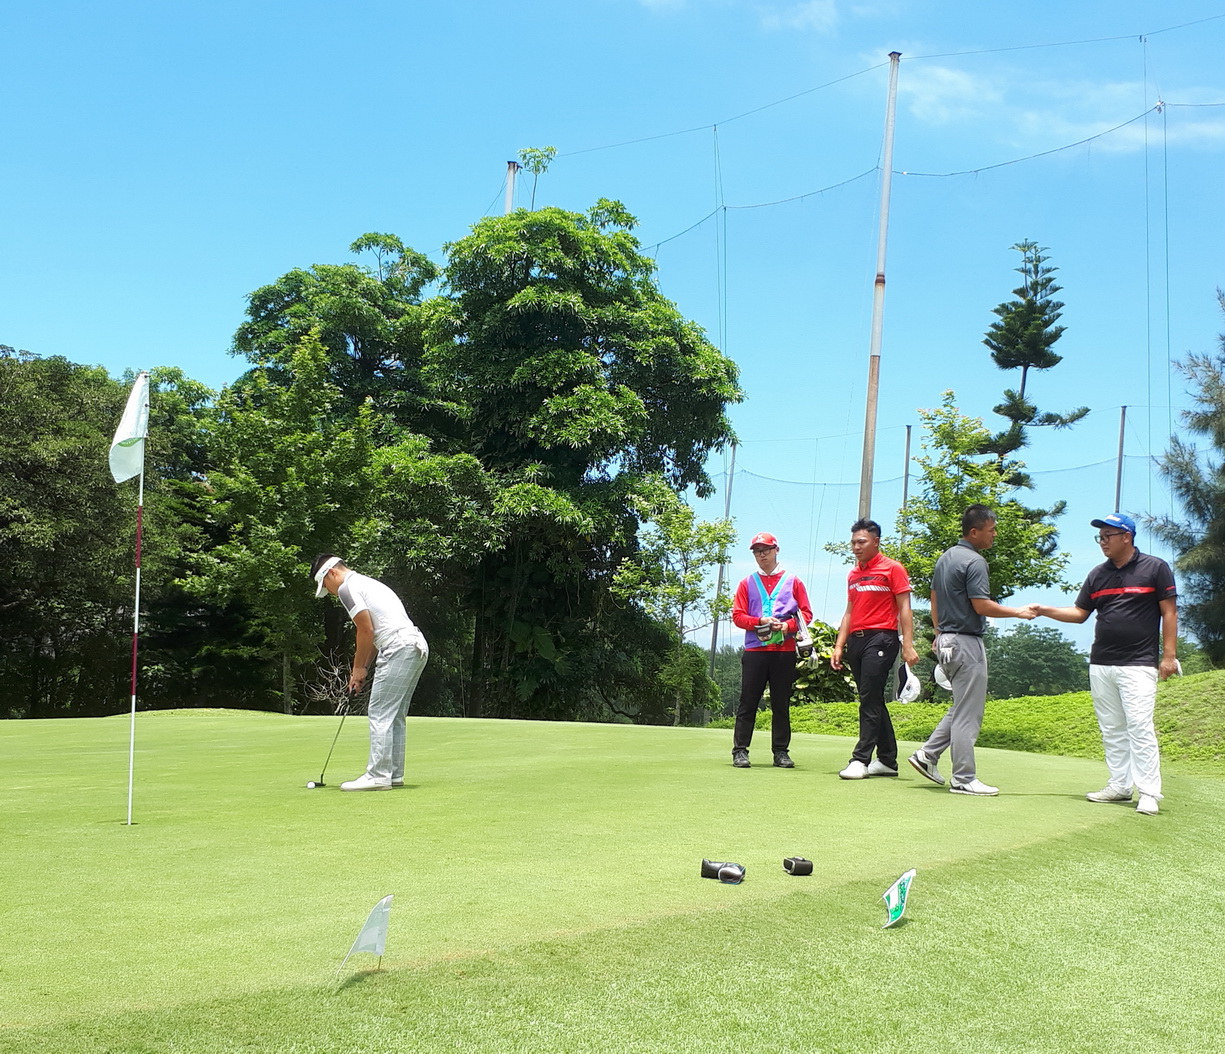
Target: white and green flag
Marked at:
128, 447
373, 935
895, 898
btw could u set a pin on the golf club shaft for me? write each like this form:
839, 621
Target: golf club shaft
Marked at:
333, 746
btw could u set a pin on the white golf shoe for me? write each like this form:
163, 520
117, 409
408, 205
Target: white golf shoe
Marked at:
876, 767
925, 766
1148, 805
976, 787
856, 770
366, 782
1109, 794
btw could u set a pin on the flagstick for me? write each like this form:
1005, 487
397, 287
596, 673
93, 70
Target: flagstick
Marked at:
140, 506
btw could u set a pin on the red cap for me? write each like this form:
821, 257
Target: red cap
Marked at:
763, 538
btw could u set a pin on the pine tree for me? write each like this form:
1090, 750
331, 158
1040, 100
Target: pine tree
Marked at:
1198, 483
1022, 339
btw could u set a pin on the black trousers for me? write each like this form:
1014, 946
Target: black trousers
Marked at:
757, 669
871, 659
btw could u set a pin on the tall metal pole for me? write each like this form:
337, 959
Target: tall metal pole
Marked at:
512, 170
1118, 472
878, 297
727, 511
906, 470
140, 509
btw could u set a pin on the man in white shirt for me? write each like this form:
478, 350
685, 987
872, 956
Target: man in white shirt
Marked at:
383, 626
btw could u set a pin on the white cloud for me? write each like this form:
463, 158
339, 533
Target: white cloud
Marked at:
1034, 115
820, 16
940, 95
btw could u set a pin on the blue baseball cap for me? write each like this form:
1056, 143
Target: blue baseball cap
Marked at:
1117, 519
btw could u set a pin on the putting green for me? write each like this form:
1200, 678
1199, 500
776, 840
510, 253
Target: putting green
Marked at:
236, 879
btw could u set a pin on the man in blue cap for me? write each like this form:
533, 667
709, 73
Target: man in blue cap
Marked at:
1132, 593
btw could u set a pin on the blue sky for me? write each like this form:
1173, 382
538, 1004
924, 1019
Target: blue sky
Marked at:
162, 161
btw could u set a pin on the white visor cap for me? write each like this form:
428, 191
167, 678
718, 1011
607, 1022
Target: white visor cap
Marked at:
327, 566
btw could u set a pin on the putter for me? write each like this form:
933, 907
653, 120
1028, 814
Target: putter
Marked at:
319, 783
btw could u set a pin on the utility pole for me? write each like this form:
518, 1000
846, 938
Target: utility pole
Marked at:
512, 170
1118, 472
878, 298
727, 511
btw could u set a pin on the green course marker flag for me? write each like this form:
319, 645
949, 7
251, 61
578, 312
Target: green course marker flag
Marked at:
373, 935
895, 898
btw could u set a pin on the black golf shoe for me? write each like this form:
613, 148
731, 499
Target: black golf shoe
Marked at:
740, 758
782, 760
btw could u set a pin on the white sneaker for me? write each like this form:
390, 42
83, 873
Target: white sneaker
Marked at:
975, 786
925, 766
366, 782
397, 783
876, 767
1148, 805
856, 770
1109, 794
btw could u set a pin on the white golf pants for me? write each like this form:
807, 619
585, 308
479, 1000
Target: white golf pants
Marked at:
1123, 698
396, 674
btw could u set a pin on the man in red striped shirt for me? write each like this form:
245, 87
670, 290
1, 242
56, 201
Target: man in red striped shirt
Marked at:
877, 608
1132, 592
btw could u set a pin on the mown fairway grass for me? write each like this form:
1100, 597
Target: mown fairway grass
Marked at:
548, 898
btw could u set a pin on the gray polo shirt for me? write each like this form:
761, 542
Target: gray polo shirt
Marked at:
961, 576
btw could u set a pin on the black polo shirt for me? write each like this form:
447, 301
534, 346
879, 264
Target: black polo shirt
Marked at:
1126, 600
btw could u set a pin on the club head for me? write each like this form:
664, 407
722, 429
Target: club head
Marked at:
313, 784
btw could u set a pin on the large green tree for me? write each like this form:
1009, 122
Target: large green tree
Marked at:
955, 474
567, 371
368, 318
1034, 660
66, 538
1197, 481
515, 420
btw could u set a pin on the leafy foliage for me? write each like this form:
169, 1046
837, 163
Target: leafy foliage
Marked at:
816, 680
1198, 483
1034, 660
955, 474
66, 539
667, 578
503, 452
582, 390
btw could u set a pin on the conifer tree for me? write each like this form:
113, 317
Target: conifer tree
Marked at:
1022, 338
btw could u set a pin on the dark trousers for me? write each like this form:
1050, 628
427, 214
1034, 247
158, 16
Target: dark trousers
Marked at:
871, 659
757, 669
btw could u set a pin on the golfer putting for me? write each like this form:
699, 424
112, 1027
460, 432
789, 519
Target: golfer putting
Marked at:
383, 628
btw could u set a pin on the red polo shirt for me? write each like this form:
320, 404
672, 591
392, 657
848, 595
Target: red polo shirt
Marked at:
872, 592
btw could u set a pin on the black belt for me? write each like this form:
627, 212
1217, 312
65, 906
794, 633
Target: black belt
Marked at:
865, 632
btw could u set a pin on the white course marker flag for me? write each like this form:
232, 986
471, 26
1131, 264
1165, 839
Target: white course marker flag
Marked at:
895, 898
128, 447
373, 935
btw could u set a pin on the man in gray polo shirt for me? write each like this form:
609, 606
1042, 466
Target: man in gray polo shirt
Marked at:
961, 604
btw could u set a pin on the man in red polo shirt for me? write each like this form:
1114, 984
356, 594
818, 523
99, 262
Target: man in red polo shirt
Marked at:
877, 608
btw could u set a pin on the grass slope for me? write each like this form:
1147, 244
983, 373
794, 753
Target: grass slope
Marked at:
1190, 718
547, 897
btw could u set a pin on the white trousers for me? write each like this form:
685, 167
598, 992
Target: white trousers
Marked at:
396, 674
1123, 698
